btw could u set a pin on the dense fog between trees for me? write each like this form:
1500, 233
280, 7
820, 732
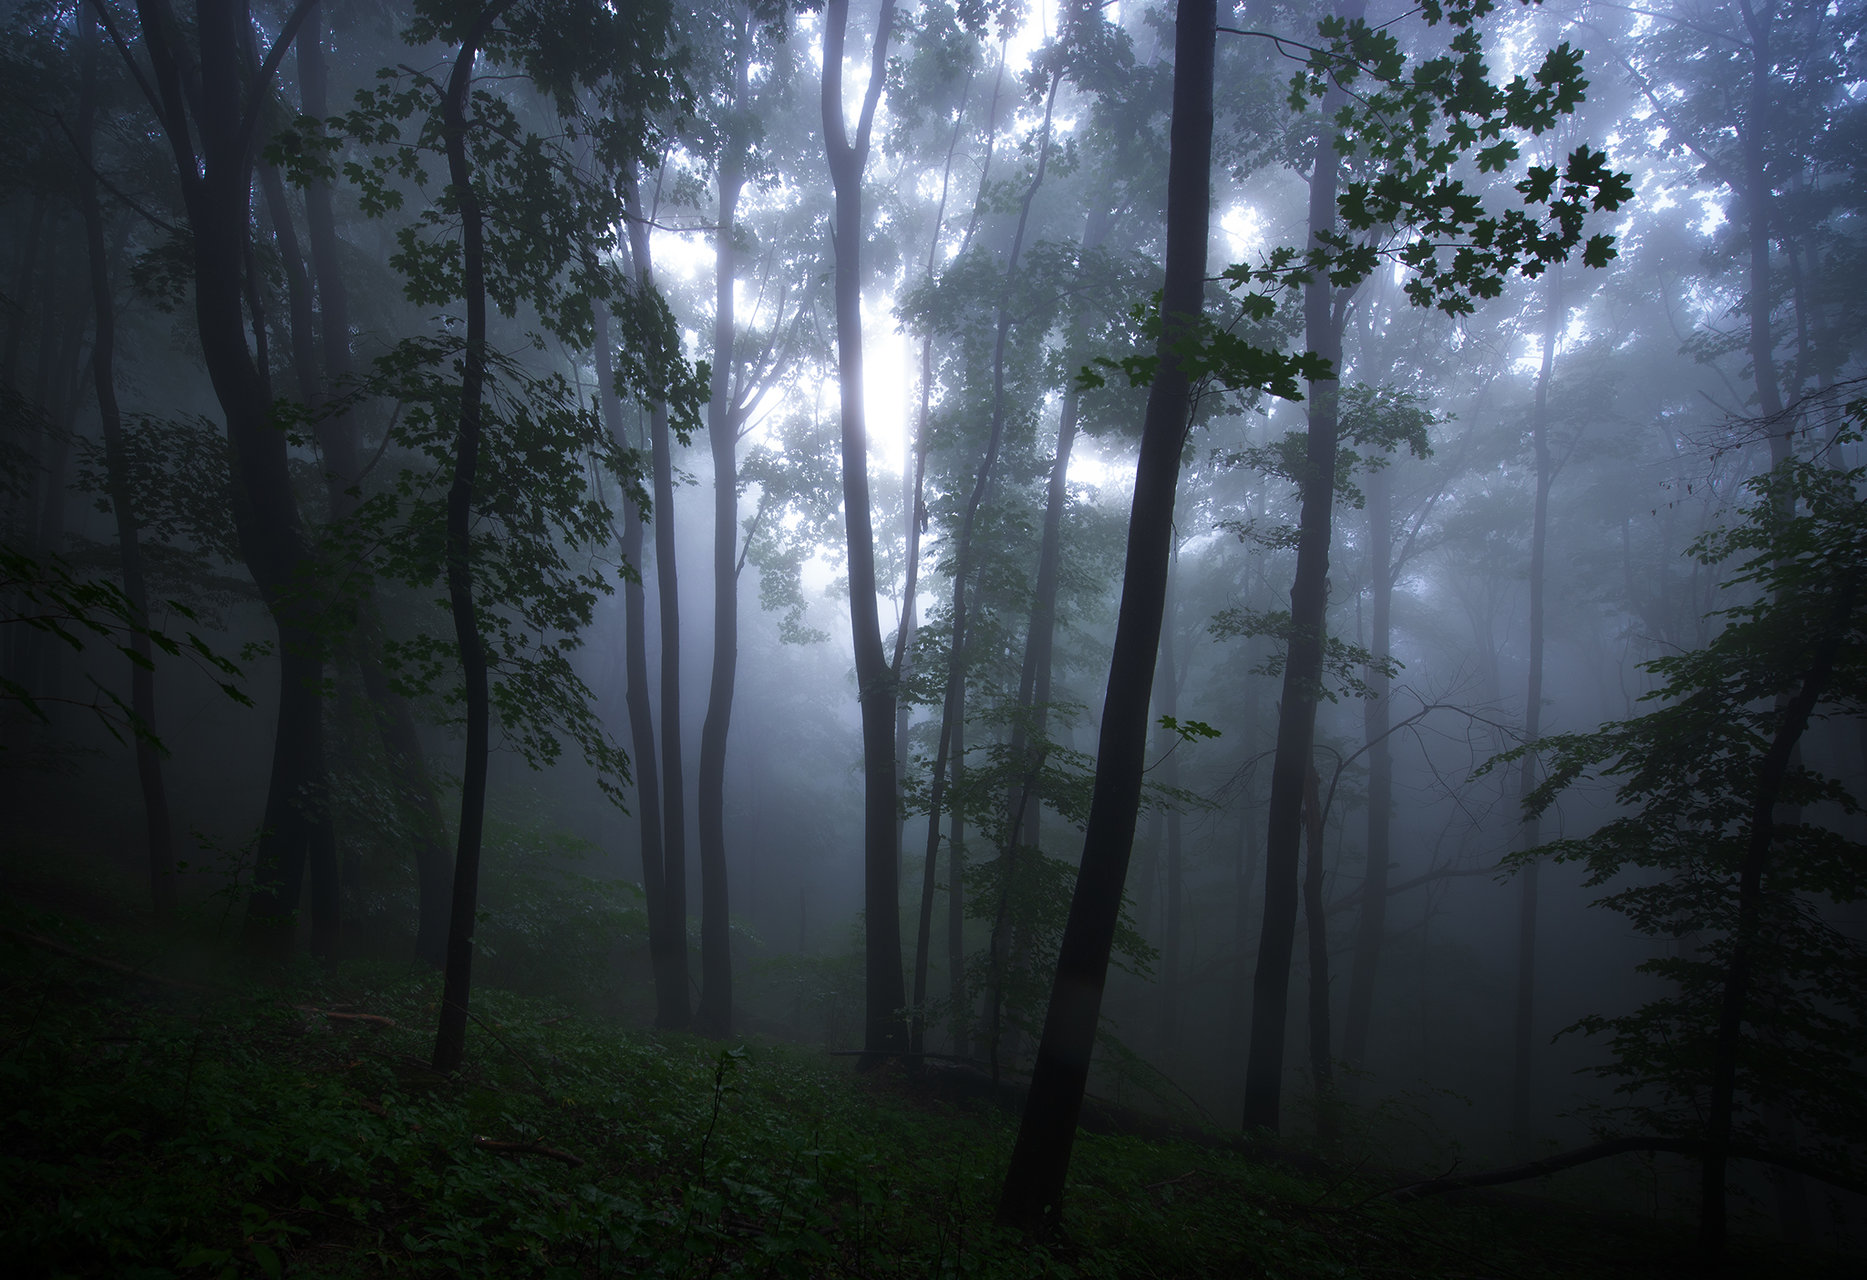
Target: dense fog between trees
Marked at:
752, 396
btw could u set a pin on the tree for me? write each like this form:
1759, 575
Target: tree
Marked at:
519, 224
884, 1030
1726, 847
1033, 1190
209, 96
1456, 250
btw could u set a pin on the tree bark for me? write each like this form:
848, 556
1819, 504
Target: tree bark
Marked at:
884, 1029
1033, 1192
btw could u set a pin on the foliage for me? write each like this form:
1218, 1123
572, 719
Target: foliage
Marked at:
47, 594
159, 1129
547, 926
552, 201
1686, 777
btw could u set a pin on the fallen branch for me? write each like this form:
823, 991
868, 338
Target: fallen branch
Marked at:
528, 1149
1693, 1147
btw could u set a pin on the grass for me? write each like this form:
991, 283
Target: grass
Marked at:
234, 1128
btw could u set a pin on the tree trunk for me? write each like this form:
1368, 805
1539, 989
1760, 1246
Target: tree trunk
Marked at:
1321, 1065
1371, 928
451, 1037
715, 1014
203, 93
1772, 770
884, 1030
667, 950
1530, 835
1033, 1190
1169, 776
1309, 603
158, 828
668, 596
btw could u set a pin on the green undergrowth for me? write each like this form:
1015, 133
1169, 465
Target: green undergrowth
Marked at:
174, 1121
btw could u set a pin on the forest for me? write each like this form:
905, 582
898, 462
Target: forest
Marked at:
1270, 678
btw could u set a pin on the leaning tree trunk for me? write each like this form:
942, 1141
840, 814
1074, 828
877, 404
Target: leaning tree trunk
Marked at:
884, 1031
158, 829
1033, 1189
1302, 683
1772, 771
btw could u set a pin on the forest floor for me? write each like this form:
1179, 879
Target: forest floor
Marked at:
161, 1118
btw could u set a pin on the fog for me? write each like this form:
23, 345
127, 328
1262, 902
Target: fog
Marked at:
235, 689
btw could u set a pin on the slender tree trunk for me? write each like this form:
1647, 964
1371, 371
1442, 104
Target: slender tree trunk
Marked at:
1033, 1192
451, 1037
1296, 719
1371, 928
1757, 204
884, 1029
1315, 912
158, 828
667, 951
668, 595
1168, 701
1530, 835
715, 1014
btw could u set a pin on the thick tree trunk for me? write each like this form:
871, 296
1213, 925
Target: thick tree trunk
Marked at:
884, 1029
1033, 1192
204, 94
158, 828
715, 1014
1296, 719
451, 1037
